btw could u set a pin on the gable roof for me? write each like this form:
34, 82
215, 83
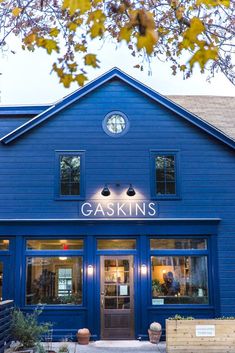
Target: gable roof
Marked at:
116, 73
216, 110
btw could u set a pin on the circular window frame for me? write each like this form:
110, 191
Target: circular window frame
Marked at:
113, 134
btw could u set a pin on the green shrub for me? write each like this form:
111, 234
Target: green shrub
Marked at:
26, 329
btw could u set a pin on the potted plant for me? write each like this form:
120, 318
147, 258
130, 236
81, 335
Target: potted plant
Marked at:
83, 336
155, 332
27, 331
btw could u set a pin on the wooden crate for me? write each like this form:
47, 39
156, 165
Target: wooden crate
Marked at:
181, 336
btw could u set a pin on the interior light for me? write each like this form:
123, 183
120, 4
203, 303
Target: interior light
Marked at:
62, 258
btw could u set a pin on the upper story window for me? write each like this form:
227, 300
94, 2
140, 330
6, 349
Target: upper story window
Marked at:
115, 124
70, 175
166, 175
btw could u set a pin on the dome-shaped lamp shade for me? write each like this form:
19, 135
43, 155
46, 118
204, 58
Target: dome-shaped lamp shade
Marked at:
105, 191
130, 191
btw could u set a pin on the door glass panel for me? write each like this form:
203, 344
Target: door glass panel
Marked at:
123, 303
116, 284
110, 303
1, 279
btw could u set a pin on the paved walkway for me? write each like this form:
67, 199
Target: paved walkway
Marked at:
113, 347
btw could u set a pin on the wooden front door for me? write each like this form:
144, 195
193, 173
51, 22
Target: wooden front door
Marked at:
117, 297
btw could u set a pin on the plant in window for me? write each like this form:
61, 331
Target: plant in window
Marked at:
64, 348
26, 329
156, 287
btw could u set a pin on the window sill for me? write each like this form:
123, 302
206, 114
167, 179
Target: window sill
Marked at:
69, 198
166, 198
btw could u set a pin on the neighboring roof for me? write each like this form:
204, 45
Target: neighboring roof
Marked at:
116, 73
22, 110
216, 110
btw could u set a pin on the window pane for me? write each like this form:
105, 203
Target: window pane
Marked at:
55, 244
178, 244
70, 175
117, 244
54, 280
165, 175
179, 280
4, 244
1, 279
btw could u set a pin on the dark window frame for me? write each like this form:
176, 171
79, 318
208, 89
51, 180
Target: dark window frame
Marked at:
58, 155
153, 183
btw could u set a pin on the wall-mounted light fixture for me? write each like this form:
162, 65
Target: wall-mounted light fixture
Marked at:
90, 270
130, 191
62, 258
105, 191
143, 269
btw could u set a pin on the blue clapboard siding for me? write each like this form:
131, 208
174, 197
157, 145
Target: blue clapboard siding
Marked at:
207, 168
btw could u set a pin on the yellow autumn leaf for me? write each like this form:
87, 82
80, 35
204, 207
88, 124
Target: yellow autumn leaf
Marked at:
72, 26
80, 78
147, 41
54, 32
77, 5
48, 44
29, 39
213, 3
97, 29
66, 79
80, 47
125, 34
72, 67
203, 55
90, 60
16, 11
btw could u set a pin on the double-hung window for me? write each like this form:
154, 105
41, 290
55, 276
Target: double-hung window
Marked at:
165, 183
70, 175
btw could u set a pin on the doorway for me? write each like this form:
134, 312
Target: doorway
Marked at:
117, 297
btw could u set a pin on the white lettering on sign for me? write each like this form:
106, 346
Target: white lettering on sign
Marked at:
205, 330
118, 209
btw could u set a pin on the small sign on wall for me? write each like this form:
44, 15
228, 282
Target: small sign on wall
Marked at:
157, 301
205, 330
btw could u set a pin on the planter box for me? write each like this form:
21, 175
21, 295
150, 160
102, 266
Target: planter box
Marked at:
200, 336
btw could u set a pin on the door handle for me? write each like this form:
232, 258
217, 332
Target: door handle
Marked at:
102, 299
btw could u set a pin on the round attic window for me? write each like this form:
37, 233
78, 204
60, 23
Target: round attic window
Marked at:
115, 124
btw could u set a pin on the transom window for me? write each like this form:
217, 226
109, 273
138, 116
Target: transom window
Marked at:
115, 124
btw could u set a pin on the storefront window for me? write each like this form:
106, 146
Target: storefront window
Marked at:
179, 280
55, 244
54, 280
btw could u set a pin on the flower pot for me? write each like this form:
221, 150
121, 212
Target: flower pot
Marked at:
83, 336
154, 336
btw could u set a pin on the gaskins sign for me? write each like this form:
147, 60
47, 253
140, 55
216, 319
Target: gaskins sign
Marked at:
118, 209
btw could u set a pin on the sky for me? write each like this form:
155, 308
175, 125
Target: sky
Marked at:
26, 78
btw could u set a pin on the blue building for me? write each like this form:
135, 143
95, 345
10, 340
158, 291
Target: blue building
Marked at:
117, 209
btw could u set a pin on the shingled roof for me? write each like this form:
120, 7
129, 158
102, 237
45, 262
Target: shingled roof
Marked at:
216, 110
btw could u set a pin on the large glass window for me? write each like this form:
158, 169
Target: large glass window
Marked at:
165, 172
180, 278
4, 244
54, 280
